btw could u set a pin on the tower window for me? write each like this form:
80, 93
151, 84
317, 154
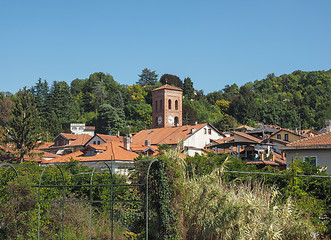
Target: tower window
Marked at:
156, 105
176, 105
161, 105
176, 121
169, 103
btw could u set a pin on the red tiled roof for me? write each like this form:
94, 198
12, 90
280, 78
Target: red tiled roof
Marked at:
80, 140
108, 138
171, 135
249, 137
317, 140
113, 151
245, 126
167, 86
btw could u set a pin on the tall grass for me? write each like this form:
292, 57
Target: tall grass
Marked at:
213, 209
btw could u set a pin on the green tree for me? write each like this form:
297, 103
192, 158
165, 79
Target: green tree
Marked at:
147, 77
23, 130
62, 102
5, 109
188, 90
40, 92
172, 80
110, 119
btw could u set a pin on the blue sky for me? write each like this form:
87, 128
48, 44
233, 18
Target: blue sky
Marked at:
213, 42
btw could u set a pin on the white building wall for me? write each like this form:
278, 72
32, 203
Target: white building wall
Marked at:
94, 140
200, 139
323, 157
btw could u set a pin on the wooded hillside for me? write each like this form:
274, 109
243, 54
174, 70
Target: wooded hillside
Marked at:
297, 100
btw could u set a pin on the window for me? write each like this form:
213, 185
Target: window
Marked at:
169, 104
209, 131
156, 105
176, 121
279, 136
286, 137
311, 159
161, 105
205, 130
94, 142
176, 105
98, 142
90, 153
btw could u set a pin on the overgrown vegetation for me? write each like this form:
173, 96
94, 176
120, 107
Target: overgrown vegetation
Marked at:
192, 198
19, 204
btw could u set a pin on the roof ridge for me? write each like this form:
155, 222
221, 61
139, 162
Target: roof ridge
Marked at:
308, 138
170, 134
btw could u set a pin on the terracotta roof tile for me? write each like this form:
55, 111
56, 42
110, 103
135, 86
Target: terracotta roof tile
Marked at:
171, 135
80, 140
322, 139
247, 136
167, 86
113, 151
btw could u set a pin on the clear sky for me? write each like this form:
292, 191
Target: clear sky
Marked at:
213, 42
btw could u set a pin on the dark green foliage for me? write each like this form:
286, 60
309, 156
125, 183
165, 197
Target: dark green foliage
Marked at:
54, 126
147, 77
188, 90
110, 119
139, 115
62, 103
23, 131
5, 109
19, 219
171, 80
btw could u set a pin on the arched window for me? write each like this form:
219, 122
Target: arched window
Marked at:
176, 121
156, 105
169, 103
176, 105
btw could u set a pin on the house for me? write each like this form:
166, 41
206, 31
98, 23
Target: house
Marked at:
80, 128
316, 149
255, 150
264, 131
66, 143
193, 138
286, 135
244, 128
111, 152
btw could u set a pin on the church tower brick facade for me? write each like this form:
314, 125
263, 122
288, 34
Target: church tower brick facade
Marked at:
167, 106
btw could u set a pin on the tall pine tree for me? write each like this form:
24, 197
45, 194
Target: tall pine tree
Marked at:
23, 131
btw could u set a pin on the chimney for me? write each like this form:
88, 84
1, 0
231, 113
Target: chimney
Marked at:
328, 125
126, 142
147, 142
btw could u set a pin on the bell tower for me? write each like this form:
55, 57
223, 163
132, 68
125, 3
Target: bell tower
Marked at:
167, 106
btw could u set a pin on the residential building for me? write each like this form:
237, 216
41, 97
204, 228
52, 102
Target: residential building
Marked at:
316, 149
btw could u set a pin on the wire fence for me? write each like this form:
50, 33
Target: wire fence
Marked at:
92, 207
53, 204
